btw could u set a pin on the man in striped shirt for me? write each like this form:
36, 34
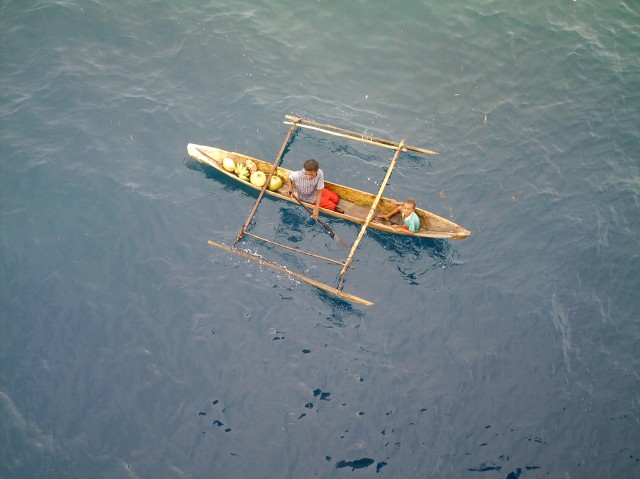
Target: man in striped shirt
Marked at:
309, 185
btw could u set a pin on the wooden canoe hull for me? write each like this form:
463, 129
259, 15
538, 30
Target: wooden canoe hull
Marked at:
355, 203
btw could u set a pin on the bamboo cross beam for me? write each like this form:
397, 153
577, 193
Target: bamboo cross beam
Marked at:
352, 135
374, 205
295, 249
294, 125
301, 277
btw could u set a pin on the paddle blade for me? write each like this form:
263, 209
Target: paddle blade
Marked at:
340, 241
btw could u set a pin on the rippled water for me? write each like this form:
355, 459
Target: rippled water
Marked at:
131, 348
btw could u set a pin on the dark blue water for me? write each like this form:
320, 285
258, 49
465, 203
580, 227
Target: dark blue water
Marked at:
131, 348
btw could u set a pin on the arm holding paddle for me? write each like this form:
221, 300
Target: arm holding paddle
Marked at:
316, 207
329, 230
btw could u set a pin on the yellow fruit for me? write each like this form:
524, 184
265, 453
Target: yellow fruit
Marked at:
242, 171
275, 183
228, 164
251, 166
258, 178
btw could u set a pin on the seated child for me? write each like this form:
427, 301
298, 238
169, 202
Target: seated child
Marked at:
410, 219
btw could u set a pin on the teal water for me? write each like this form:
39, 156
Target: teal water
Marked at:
131, 348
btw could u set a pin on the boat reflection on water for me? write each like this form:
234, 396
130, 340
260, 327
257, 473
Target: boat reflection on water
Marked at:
408, 254
412, 256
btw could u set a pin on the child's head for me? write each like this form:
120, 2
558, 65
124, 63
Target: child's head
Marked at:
311, 168
410, 203
408, 206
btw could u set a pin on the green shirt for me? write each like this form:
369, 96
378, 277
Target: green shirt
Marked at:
412, 222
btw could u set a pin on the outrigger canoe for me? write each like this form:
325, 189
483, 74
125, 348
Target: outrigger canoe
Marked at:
359, 207
355, 203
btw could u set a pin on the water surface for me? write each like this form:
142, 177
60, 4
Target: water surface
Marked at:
131, 348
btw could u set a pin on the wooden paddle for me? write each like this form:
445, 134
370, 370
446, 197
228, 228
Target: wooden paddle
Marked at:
329, 230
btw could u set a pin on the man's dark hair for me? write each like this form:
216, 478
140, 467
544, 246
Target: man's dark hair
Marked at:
311, 165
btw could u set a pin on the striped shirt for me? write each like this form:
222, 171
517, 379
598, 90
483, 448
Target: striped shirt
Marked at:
307, 189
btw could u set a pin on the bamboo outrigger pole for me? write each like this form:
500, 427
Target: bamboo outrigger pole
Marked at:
374, 205
302, 277
294, 125
352, 135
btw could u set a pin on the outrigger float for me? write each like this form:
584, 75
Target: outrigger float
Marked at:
359, 206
